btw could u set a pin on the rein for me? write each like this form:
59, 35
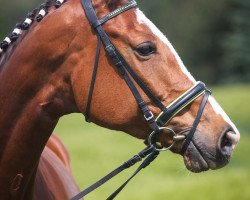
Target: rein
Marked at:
156, 123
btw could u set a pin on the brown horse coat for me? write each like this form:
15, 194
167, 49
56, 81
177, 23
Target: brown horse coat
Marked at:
53, 178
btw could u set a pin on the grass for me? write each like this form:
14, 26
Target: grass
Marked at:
96, 151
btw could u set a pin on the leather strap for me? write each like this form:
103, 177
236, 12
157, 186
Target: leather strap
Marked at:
145, 163
92, 84
131, 4
196, 122
179, 104
137, 158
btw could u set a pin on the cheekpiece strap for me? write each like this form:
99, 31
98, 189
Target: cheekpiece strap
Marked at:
119, 62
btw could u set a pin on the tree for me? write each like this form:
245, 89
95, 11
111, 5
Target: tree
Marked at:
235, 62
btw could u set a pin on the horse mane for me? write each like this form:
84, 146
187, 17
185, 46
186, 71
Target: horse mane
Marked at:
8, 45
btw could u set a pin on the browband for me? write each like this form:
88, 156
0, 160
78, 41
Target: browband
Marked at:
95, 22
131, 4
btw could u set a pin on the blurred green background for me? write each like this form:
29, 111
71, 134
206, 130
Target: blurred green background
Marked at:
213, 39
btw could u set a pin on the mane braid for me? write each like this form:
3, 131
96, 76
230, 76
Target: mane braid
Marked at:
11, 41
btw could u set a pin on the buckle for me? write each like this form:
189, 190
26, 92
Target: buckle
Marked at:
149, 117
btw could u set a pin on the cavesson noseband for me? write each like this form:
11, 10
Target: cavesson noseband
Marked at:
157, 124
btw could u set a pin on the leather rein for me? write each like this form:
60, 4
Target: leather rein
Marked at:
157, 124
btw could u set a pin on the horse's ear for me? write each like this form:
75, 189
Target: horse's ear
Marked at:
113, 4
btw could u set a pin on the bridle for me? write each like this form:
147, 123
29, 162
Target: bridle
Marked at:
157, 124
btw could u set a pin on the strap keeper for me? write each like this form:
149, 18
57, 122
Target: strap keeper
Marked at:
132, 161
209, 91
142, 105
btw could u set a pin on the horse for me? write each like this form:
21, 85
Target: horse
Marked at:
46, 72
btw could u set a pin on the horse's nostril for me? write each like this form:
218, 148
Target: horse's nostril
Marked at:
228, 143
232, 137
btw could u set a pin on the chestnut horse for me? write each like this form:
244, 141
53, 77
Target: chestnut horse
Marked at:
46, 68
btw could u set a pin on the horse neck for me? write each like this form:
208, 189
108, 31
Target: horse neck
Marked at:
35, 91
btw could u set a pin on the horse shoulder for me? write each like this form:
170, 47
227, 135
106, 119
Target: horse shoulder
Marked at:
54, 179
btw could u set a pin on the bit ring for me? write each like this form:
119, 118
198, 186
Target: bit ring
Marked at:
159, 147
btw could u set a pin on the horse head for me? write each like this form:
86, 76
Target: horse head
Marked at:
156, 62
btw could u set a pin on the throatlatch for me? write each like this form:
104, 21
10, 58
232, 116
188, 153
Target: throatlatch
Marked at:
157, 124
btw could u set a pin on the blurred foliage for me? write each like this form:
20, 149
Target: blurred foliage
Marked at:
235, 59
212, 37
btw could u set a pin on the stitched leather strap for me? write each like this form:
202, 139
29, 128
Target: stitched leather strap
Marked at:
179, 104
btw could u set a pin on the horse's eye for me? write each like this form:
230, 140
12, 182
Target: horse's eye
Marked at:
146, 49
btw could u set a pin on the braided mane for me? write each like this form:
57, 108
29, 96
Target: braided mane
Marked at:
8, 45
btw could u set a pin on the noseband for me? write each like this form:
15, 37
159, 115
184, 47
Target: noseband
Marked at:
157, 124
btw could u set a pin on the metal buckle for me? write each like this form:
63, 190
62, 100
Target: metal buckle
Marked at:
148, 118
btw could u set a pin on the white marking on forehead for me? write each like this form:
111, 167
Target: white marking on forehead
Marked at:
220, 111
142, 19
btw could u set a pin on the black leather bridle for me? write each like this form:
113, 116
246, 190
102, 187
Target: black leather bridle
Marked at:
157, 124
